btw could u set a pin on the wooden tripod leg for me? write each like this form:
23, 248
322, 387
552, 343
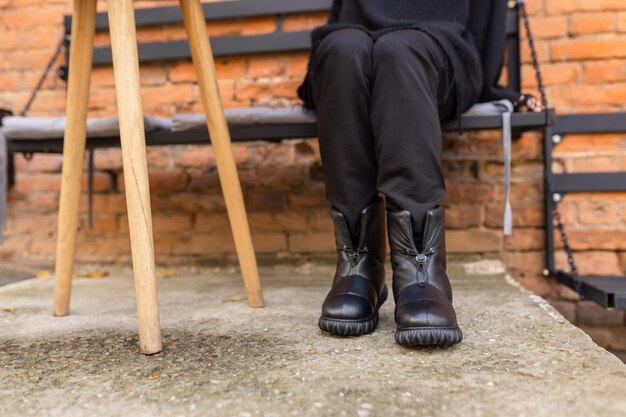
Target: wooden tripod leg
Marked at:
127, 89
81, 56
220, 139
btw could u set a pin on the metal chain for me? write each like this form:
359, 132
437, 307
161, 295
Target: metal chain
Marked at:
43, 77
566, 246
556, 216
533, 53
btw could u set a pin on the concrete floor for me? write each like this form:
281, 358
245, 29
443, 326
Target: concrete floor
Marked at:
221, 358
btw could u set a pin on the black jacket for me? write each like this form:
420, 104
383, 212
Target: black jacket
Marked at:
471, 32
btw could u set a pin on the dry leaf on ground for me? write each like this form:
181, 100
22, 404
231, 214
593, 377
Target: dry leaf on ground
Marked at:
165, 273
93, 274
235, 299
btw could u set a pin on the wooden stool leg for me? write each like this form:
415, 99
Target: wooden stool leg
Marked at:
220, 139
127, 88
81, 56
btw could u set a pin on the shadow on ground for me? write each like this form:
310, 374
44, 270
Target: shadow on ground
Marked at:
10, 273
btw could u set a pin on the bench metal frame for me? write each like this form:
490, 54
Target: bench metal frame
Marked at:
607, 291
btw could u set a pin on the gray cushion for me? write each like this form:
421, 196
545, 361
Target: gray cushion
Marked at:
490, 107
19, 127
295, 114
247, 116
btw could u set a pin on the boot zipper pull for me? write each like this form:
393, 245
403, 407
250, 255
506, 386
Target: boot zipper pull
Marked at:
421, 269
422, 261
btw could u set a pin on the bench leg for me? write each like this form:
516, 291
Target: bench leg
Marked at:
220, 139
127, 88
81, 53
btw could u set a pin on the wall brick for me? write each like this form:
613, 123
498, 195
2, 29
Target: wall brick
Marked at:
288, 221
572, 49
38, 163
227, 68
599, 213
594, 164
311, 197
302, 22
473, 193
592, 262
621, 22
102, 223
263, 199
586, 23
26, 184
26, 19
523, 215
473, 240
588, 94
560, 6
579, 145
597, 239
462, 216
163, 223
525, 239
604, 71
102, 182
297, 64
549, 26
528, 266
311, 242
10, 82
167, 94
267, 66
553, 74
46, 223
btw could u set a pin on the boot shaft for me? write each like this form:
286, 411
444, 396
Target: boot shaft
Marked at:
425, 265
371, 241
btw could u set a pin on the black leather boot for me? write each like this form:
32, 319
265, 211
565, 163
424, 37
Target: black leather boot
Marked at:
421, 289
358, 291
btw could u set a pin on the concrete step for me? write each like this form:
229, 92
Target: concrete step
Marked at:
519, 357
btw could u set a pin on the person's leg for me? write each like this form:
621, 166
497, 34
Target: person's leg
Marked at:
341, 91
411, 74
410, 79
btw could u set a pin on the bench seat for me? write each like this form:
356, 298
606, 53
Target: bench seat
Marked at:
45, 134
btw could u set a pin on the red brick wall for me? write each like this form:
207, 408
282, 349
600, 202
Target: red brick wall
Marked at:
582, 47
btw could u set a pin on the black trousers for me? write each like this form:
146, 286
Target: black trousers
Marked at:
379, 110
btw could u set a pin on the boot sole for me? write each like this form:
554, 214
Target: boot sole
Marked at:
341, 327
429, 336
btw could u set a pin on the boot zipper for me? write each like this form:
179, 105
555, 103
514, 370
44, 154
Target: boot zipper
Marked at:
421, 258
